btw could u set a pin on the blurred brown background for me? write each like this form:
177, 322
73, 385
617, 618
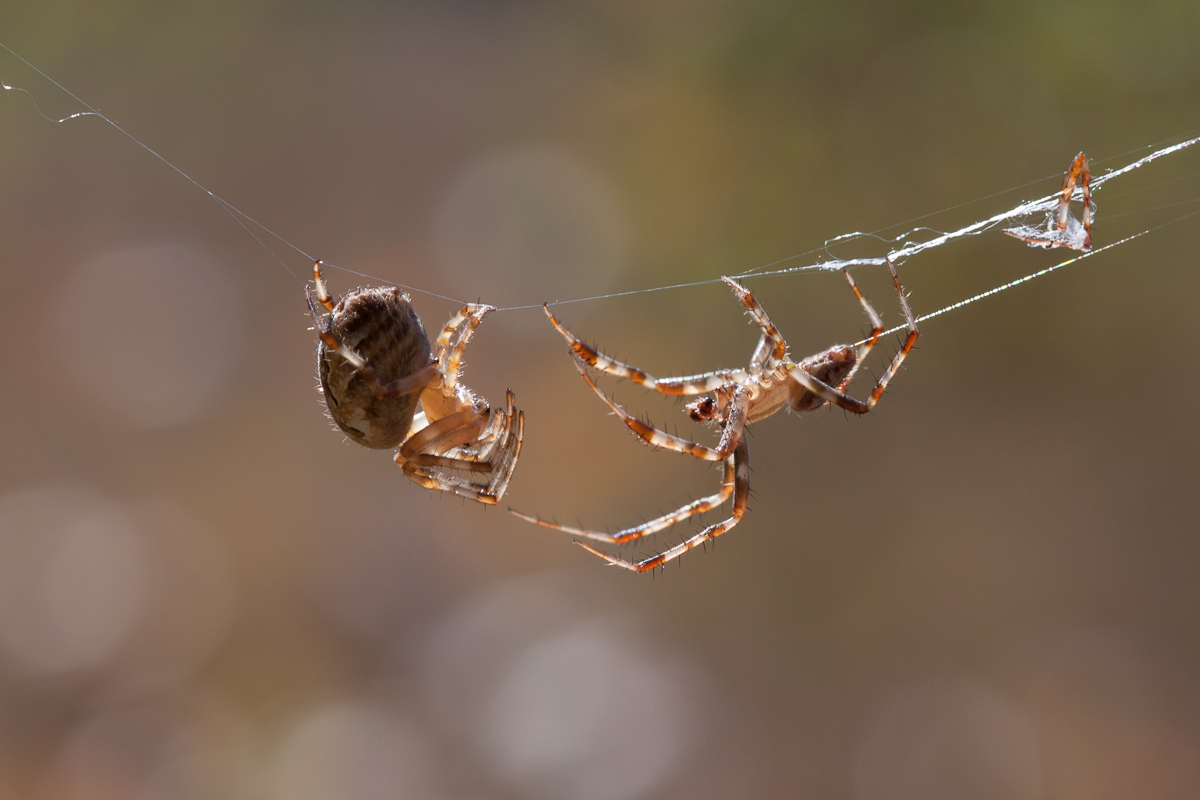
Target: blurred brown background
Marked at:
986, 589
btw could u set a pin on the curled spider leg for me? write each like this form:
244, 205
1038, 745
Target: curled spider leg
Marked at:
425, 447
453, 340
685, 385
771, 336
446, 443
657, 438
652, 526
839, 398
876, 329
741, 494
507, 462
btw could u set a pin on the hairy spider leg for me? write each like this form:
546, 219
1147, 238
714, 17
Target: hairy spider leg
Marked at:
876, 330
771, 335
731, 429
453, 339
686, 385
741, 494
839, 398
420, 456
322, 293
424, 448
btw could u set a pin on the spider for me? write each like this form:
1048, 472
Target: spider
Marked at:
1062, 230
375, 367
733, 399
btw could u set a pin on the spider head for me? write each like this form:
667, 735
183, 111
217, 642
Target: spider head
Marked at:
703, 410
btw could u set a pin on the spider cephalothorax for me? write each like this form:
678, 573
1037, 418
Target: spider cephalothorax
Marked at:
733, 399
385, 389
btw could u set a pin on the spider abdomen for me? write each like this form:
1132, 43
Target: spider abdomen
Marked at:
830, 367
380, 325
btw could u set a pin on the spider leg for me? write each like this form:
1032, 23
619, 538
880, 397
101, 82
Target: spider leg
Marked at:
657, 438
876, 329
654, 525
444, 444
452, 341
769, 332
771, 335
322, 294
741, 493
512, 437
839, 398
686, 385
424, 448
327, 337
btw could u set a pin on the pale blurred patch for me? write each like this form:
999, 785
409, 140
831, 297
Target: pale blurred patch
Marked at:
149, 333
85, 581
952, 739
563, 700
1118, 717
74, 573
192, 602
353, 751
191, 747
529, 224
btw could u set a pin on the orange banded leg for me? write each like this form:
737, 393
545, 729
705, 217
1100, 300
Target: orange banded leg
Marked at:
771, 334
838, 397
656, 438
322, 293
686, 385
876, 329
741, 495
327, 337
452, 341
654, 525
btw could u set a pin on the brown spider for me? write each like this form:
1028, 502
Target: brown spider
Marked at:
374, 362
738, 398
1062, 229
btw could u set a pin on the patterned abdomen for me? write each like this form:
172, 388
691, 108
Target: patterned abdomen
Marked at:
378, 324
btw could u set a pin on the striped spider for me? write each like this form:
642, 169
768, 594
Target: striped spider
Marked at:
375, 367
733, 399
